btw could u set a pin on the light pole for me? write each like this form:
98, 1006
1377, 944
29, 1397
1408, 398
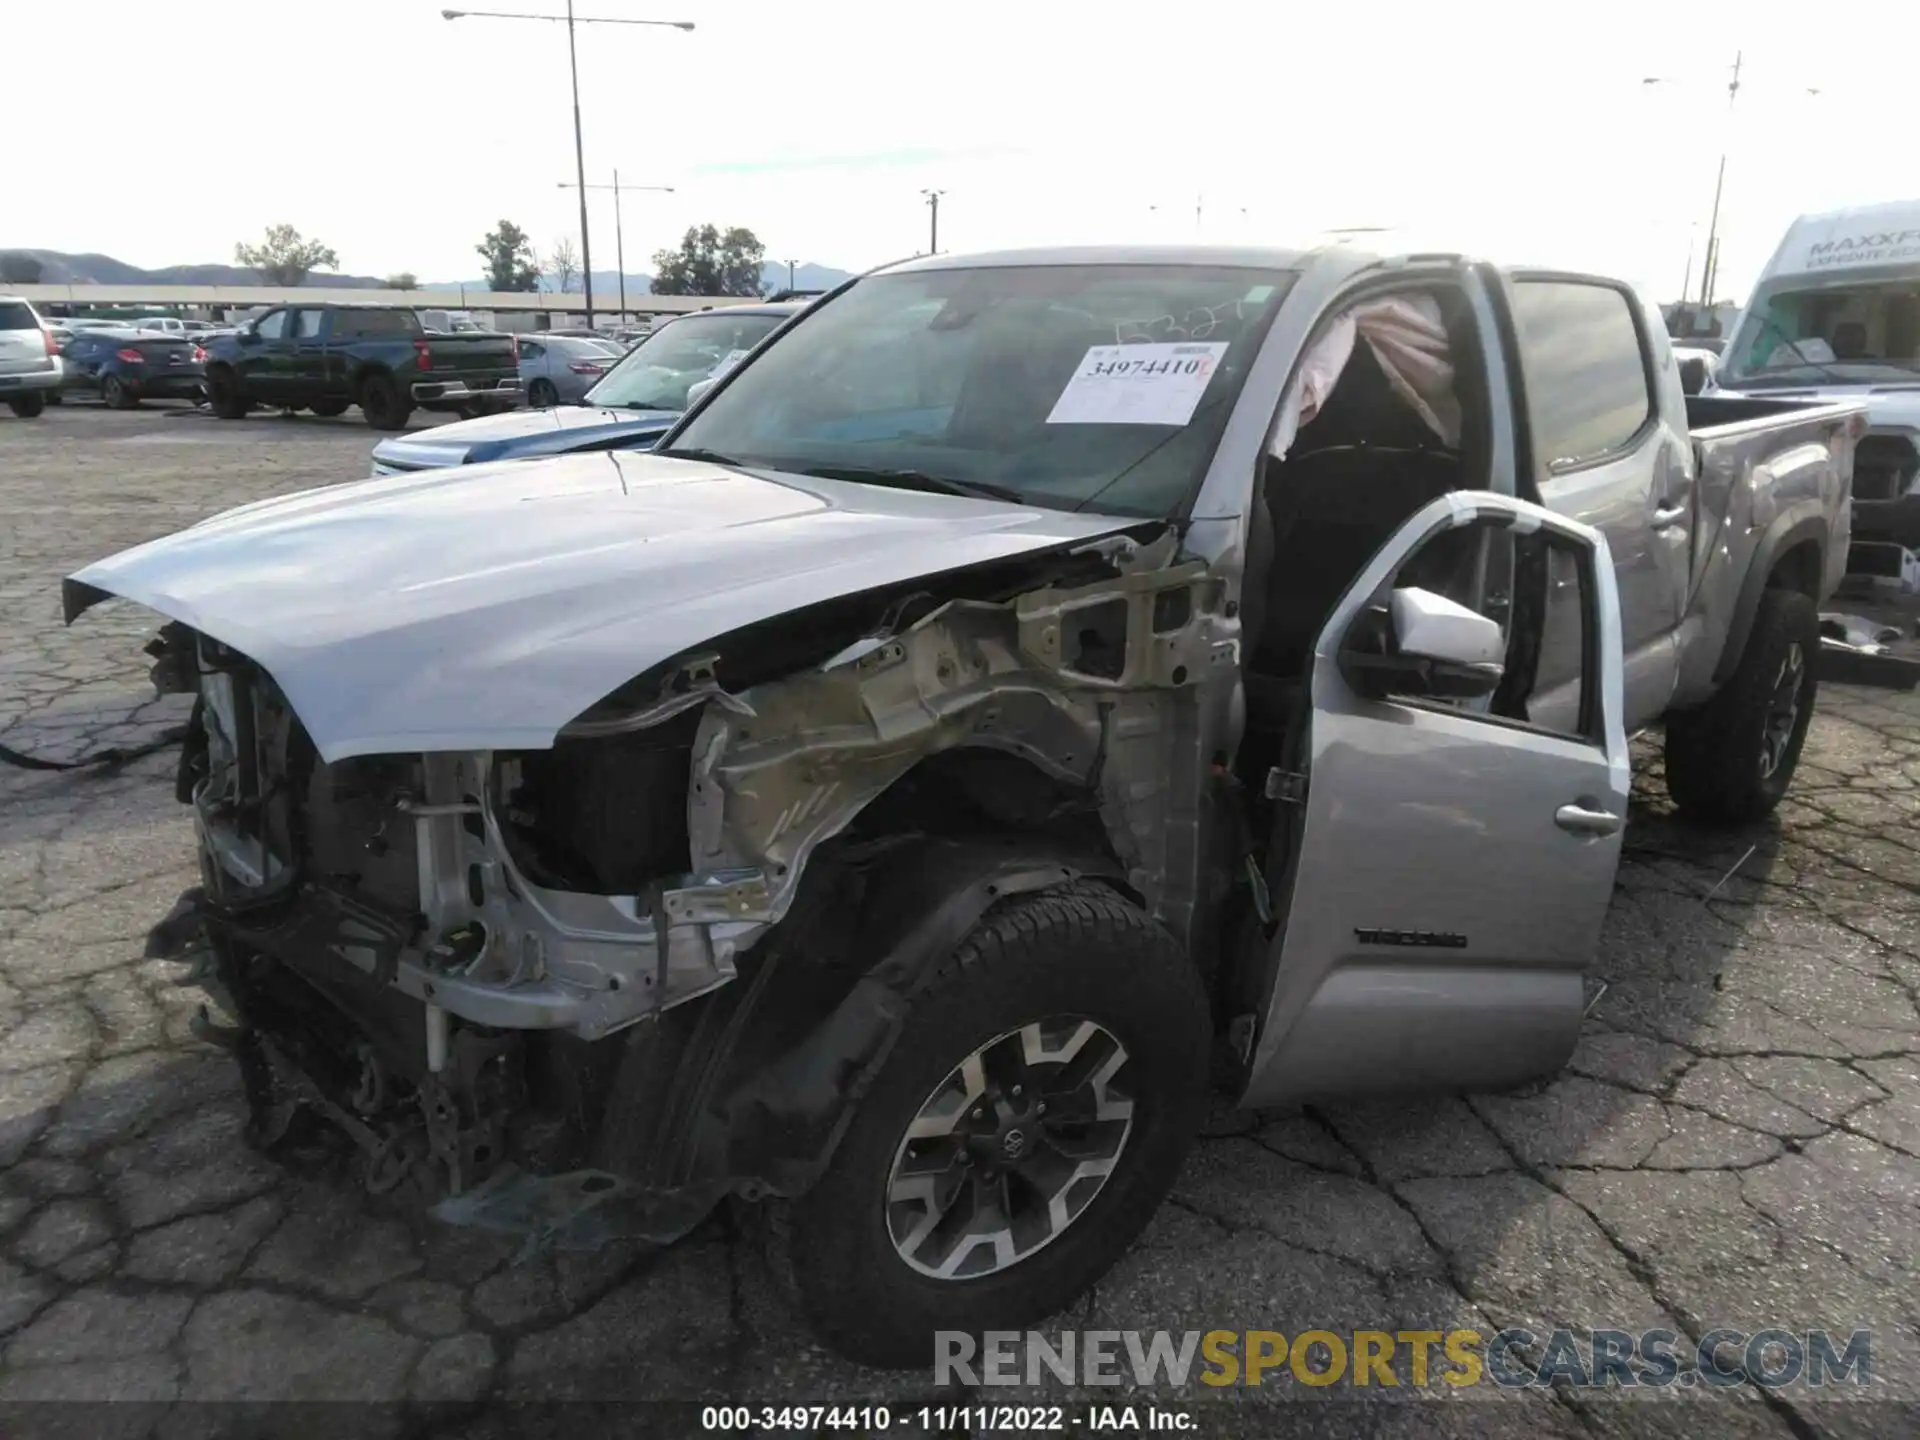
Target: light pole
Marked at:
619, 239
1710, 262
933, 219
573, 68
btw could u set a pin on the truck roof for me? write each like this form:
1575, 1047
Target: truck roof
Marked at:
1855, 238
1250, 257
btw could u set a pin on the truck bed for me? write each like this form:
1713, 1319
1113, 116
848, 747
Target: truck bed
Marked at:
1721, 413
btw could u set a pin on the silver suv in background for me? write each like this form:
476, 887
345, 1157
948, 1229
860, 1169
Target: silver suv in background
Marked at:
29, 361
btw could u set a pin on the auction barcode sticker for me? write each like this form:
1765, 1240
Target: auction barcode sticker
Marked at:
1138, 384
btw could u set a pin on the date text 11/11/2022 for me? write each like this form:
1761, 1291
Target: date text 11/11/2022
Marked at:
942, 1419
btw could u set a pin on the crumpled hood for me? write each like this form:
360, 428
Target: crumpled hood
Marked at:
552, 431
485, 607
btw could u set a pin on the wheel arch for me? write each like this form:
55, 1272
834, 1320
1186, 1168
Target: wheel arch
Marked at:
751, 1091
366, 370
1790, 555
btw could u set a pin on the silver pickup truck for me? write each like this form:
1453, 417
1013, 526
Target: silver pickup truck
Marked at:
1033, 681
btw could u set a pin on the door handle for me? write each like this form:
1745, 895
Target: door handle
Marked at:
1578, 820
1665, 516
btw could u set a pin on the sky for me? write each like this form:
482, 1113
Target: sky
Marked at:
1521, 131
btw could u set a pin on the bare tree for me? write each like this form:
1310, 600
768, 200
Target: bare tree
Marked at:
563, 263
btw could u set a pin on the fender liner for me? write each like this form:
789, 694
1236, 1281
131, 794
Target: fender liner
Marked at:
783, 1122
1791, 529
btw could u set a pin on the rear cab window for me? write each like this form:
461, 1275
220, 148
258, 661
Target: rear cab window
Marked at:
1589, 385
375, 324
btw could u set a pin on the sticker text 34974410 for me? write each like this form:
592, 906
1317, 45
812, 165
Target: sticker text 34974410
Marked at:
1138, 384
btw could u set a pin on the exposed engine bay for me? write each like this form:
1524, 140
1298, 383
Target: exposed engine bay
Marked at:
593, 988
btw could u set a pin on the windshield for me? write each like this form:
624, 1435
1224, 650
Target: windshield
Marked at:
1854, 334
657, 373
1066, 386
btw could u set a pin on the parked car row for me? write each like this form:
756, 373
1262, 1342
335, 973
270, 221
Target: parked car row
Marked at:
1009, 692
630, 405
325, 358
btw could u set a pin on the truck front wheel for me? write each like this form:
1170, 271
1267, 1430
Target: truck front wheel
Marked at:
1029, 1120
1730, 761
223, 395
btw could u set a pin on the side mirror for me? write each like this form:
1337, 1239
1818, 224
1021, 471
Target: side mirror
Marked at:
247, 336
1420, 643
699, 388
1693, 375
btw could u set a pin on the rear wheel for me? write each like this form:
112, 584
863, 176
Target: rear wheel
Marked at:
116, 393
1730, 761
542, 396
223, 395
1032, 1116
382, 402
28, 405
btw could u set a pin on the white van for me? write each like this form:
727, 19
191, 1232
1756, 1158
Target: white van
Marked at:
1836, 314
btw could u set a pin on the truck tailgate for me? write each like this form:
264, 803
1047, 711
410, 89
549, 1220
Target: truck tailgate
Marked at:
464, 356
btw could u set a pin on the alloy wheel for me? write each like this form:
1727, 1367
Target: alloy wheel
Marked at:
1010, 1149
1783, 710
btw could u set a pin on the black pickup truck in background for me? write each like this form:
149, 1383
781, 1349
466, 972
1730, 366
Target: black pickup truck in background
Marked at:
324, 358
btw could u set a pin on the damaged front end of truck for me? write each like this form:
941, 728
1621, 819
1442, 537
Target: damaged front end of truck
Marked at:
588, 989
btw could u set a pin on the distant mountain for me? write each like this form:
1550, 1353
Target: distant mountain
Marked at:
56, 267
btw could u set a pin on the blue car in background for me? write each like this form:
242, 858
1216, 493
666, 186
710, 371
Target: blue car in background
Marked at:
631, 407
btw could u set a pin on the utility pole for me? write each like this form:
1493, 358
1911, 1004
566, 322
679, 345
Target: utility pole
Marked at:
1710, 267
580, 170
790, 284
933, 219
619, 236
579, 145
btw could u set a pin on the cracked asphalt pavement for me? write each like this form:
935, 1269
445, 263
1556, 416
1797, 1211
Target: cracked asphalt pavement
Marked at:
1735, 1144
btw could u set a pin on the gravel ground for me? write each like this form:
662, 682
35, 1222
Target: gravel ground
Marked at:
1735, 1144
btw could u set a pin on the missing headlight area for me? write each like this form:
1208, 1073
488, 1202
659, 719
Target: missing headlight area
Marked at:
665, 950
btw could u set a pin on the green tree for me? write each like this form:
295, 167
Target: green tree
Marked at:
710, 261
509, 256
405, 280
286, 257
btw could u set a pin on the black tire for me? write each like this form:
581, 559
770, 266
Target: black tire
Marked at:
1078, 952
327, 409
223, 395
542, 396
384, 404
1730, 761
27, 405
116, 395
